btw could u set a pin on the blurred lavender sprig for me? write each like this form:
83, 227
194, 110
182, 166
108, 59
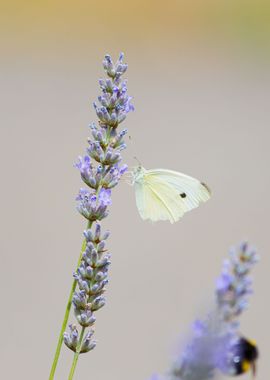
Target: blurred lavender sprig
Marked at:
213, 341
234, 284
101, 170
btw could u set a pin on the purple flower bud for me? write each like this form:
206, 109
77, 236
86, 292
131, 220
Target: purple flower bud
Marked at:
101, 246
224, 282
83, 285
85, 318
100, 276
71, 338
109, 85
123, 133
121, 117
106, 235
98, 303
88, 344
79, 299
88, 235
105, 197
121, 57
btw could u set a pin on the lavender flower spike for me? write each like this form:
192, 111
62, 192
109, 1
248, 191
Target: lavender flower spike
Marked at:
234, 285
215, 341
101, 169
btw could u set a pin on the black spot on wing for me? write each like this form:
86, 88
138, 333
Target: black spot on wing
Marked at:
183, 195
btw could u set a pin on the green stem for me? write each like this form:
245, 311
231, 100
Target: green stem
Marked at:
66, 316
76, 355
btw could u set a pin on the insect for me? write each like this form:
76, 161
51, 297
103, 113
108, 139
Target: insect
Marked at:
163, 194
245, 356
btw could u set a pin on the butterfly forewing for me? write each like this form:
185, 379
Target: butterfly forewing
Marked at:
191, 191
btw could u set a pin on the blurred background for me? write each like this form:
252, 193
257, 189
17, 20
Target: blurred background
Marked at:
199, 76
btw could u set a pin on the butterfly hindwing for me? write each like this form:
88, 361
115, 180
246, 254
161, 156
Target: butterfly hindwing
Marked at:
157, 200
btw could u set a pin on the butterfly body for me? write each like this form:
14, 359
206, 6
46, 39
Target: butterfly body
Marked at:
163, 194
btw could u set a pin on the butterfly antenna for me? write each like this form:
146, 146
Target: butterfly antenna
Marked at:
139, 162
135, 158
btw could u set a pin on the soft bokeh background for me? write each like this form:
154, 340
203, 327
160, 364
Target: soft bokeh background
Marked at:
199, 74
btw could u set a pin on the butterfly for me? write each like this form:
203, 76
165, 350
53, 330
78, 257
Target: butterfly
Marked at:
163, 194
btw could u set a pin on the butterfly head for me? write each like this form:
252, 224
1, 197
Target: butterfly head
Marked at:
138, 173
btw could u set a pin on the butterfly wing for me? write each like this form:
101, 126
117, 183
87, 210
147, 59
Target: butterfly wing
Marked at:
191, 192
166, 194
156, 199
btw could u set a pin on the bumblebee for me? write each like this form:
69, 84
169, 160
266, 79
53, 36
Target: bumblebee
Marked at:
245, 355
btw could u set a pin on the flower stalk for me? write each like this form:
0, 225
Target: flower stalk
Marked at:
66, 316
100, 170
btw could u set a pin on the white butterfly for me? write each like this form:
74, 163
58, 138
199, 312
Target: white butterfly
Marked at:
165, 194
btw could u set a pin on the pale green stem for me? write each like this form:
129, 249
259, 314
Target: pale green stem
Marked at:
76, 355
66, 316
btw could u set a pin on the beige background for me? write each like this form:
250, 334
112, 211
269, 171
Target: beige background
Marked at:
199, 75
